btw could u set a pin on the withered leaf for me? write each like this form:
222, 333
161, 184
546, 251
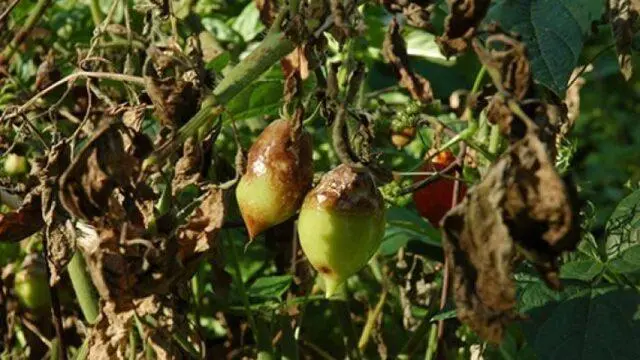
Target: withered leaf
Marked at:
572, 102
506, 61
104, 165
268, 10
109, 338
198, 235
295, 67
395, 52
47, 72
522, 208
174, 101
188, 166
23, 222
623, 15
175, 97
417, 12
461, 25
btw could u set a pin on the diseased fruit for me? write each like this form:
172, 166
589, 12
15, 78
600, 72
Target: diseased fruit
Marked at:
341, 224
32, 288
279, 173
436, 199
401, 138
15, 165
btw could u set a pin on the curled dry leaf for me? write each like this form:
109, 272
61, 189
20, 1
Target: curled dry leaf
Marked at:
623, 15
109, 338
47, 72
188, 166
395, 52
199, 233
505, 59
268, 10
60, 246
417, 12
572, 102
105, 170
522, 208
175, 98
23, 222
461, 25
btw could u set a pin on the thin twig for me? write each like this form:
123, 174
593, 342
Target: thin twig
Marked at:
586, 66
72, 77
8, 10
22, 34
446, 273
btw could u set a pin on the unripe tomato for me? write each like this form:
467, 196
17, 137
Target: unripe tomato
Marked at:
435, 200
32, 288
15, 165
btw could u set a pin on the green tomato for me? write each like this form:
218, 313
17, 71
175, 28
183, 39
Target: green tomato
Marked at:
339, 244
32, 288
16, 165
341, 225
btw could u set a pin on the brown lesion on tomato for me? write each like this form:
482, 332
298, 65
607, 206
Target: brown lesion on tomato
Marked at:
346, 190
324, 269
287, 161
254, 226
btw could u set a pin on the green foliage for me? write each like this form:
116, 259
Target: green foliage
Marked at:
554, 32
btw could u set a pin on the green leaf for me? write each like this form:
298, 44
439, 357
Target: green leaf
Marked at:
248, 23
581, 322
585, 269
404, 225
219, 62
422, 44
623, 227
221, 31
444, 315
628, 262
261, 98
554, 32
270, 286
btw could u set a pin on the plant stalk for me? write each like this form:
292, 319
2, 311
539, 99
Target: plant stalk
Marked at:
342, 313
83, 287
274, 46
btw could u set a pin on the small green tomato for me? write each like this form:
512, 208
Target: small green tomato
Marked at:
341, 225
32, 288
16, 165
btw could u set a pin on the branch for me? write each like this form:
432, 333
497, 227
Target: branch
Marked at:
99, 75
26, 29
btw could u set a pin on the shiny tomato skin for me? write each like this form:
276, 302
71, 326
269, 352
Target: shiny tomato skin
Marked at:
435, 200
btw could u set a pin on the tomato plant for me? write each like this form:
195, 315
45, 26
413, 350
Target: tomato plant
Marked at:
277, 179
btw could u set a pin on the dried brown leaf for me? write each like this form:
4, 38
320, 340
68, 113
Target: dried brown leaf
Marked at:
268, 10
103, 173
417, 12
174, 101
623, 15
522, 208
395, 52
23, 222
109, 338
198, 235
187, 171
461, 25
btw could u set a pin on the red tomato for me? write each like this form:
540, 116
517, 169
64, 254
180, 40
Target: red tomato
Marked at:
434, 200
